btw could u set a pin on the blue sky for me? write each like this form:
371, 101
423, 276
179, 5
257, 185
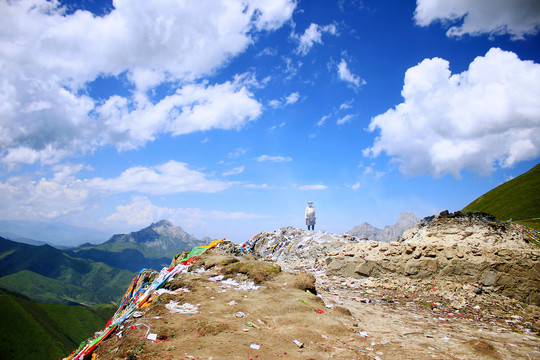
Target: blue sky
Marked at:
226, 117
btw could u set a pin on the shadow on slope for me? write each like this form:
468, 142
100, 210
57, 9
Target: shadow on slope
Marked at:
59, 328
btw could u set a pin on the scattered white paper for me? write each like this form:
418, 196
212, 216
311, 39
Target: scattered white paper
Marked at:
216, 278
186, 308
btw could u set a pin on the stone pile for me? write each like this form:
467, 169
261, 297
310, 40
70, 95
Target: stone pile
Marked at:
290, 244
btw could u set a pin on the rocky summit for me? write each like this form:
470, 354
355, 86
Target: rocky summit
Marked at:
455, 286
159, 239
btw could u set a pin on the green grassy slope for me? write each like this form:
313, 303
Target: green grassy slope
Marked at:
47, 290
47, 274
37, 331
127, 259
517, 199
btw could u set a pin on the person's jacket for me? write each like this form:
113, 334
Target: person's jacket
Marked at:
310, 212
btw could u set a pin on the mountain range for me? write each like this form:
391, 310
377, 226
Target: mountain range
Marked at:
49, 275
59, 235
387, 234
89, 274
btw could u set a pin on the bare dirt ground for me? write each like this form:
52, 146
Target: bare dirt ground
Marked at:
411, 320
348, 318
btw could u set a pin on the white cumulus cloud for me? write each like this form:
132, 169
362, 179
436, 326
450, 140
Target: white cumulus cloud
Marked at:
194, 107
48, 58
290, 99
171, 177
474, 17
354, 186
24, 198
65, 194
141, 212
487, 115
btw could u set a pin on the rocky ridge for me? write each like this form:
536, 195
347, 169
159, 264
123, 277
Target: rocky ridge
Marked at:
472, 249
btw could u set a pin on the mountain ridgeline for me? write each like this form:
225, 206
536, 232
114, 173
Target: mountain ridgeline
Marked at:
89, 274
48, 275
151, 247
387, 234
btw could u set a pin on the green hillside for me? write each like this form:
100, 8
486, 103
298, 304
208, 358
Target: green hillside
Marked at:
37, 331
127, 259
46, 274
517, 199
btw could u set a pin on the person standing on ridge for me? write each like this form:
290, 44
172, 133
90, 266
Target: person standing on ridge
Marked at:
310, 216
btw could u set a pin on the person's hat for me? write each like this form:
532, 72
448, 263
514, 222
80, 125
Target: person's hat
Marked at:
310, 202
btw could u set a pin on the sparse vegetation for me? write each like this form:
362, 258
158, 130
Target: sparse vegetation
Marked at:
255, 270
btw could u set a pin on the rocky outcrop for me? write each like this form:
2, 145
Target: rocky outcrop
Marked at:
389, 233
290, 243
472, 249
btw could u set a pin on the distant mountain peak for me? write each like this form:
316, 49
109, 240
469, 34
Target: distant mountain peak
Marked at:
161, 223
389, 233
160, 239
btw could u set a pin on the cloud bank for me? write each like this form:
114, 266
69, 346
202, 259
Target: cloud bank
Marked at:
49, 58
66, 194
141, 212
487, 115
